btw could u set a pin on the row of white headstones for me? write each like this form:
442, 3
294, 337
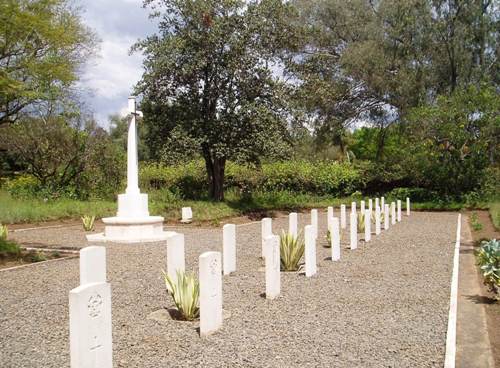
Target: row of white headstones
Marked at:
90, 303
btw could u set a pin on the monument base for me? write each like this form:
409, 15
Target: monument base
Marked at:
131, 230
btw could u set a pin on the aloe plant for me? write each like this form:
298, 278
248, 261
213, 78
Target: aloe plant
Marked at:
88, 222
291, 251
185, 291
361, 222
488, 259
329, 238
4, 231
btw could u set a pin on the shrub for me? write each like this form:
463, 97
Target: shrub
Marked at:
9, 249
23, 186
361, 222
291, 251
476, 225
88, 222
488, 258
415, 194
185, 291
4, 231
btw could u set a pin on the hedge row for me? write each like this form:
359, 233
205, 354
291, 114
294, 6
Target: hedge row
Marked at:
320, 178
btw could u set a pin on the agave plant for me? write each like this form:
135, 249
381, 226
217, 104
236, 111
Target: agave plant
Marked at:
488, 258
3, 231
361, 222
185, 291
291, 251
88, 222
329, 238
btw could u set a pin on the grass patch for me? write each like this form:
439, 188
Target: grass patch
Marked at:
495, 214
474, 221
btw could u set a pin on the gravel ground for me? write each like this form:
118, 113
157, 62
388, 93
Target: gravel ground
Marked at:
383, 305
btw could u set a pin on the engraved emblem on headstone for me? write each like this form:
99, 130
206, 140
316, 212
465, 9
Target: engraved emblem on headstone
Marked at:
95, 305
213, 267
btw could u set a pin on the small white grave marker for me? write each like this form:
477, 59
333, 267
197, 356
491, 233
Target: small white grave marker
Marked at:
377, 220
314, 222
229, 248
92, 265
399, 210
329, 216
370, 207
210, 292
335, 239
175, 255
377, 204
292, 224
187, 215
368, 226
407, 206
343, 222
393, 213
310, 251
354, 230
382, 203
353, 207
386, 217
273, 267
267, 230
362, 209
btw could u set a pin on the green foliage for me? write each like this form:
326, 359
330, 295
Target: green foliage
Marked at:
4, 232
488, 258
291, 251
185, 291
361, 222
495, 214
36, 256
88, 222
9, 249
476, 225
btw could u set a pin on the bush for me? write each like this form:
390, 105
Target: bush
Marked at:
9, 249
24, 186
415, 194
488, 258
185, 292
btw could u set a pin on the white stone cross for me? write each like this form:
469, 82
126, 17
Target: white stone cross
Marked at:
273, 276
175, 255
210, 292
310, 251
354, 230
266, 230
229, 248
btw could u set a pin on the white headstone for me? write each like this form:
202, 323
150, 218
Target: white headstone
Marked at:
187, 214
314, 222
354, 230
370, 207
382, 203
353, 207
393, 213
292, 224
90, 338
368, 227
92, 265
399, 210
266, 230
335, 239
329, 216
175, 255
210, 292
310, 250
273, 266
407, 206
362, 207
377, 220
377, 204
343, 222
229, 248
386, 217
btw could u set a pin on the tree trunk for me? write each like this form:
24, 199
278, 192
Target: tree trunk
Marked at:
215, 172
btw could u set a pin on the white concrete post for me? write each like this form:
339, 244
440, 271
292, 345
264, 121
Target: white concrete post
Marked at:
382, 203
310, 250
377, 204
354, 230
210, 292
353, 207
329, 216
386, 217
343, 222
368, 227
132, 159
266, 230
292, 224
377, 220
399, 210
175, 255
393, 213
186, 214
407, 206
229, 248
273, 267
314, 222
335, 239
92, 265
370, 207
362, 209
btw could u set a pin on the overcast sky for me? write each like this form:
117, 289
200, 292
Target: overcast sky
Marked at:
111, 76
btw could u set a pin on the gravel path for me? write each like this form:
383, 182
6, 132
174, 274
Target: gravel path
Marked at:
383, 305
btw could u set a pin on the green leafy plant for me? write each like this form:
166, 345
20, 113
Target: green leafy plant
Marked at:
488, 259
9, 249
36, 256
4, 231
474, 221
361, 222
88, 222
185, 291
291, 251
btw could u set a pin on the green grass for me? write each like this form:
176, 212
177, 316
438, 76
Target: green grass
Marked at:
495, 214
475, 223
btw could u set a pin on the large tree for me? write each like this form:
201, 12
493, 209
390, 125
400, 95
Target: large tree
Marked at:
43, 43
209, 78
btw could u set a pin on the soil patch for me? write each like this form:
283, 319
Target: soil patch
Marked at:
29, 256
